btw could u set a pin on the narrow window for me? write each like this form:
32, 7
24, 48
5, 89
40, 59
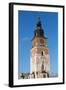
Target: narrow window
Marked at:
36, 34
42, 53
44, 76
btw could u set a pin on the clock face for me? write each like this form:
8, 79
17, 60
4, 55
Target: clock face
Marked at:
41, 41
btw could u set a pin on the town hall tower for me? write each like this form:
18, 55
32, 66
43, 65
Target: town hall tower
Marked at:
39, 54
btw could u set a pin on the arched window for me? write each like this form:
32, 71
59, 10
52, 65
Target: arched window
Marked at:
42, 53
36, 34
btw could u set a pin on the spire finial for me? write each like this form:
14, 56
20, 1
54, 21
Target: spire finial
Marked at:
38, 22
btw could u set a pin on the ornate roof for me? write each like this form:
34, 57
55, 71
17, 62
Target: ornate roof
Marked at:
38, 29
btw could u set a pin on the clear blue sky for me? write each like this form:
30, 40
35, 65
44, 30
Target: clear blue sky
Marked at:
26, 26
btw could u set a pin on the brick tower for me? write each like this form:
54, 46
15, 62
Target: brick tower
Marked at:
39, 54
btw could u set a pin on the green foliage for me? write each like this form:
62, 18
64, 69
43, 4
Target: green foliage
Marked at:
23, 75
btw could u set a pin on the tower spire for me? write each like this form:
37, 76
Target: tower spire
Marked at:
38, 22
39, 32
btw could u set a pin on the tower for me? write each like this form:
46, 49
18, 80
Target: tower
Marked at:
39, 54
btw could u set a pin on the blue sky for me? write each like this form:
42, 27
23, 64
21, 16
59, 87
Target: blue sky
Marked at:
26, 26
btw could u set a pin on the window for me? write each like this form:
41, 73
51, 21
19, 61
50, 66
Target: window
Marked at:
42, 53
44, 75
36, 34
